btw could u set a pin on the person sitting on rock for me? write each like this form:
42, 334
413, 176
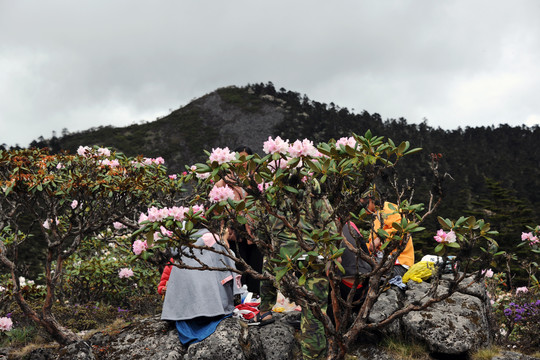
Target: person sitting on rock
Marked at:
197, 300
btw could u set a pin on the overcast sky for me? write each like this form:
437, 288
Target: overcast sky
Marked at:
81, 64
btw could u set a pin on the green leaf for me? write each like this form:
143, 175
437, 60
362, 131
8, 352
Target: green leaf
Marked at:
280, 272
412, 151
445, 223
439, 248
453, 245
302, 280
242, 220
290, 189
339, 266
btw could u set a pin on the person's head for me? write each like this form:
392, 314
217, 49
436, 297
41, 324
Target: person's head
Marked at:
243, 150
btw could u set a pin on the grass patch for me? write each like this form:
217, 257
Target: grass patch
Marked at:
486, 353
405, 350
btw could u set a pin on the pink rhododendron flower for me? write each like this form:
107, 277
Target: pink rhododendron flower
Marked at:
147, 161
142, 218
159, 161
172, 177
118, 225
279, 164
83, 150
522, 289
203, 176
529, 237
155, 214
220, 193
193, 168
6, 324
443, 237
222, 155
488, 273
302, 148
346, 141
178, 213
60, 166
74, 204
275, 146
139, 246
263, 186
125, 273
165, 232
196, 208
209, 239
47, 223
104, 152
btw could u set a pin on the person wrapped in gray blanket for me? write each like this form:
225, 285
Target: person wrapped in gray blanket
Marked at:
197, 300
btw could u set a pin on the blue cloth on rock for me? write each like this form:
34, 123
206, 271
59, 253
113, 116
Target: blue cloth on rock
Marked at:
197, 329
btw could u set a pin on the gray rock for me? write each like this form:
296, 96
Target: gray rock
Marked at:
148, 338
511, 355
456, 325
386, 304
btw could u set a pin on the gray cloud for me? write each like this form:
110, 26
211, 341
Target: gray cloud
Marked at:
76, 65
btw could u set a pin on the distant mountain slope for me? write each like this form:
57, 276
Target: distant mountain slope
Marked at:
233, 116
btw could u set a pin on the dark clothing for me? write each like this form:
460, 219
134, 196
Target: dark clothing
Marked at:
253, 257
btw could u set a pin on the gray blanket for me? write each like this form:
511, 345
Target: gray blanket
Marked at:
195, 293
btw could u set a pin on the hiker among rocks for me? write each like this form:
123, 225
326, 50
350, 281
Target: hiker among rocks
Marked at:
239, 238
384, 219
197, 300
352, 267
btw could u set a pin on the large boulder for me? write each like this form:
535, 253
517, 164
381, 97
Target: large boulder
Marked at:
233, 339
457, 325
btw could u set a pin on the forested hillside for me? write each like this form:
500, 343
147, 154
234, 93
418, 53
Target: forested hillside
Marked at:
494, 171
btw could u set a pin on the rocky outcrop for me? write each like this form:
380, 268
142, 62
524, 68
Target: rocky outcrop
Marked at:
452, 328
457, 325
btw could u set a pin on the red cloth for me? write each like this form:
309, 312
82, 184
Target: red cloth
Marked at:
247, 311
165, 277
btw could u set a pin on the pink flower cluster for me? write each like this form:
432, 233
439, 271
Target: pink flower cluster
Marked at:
47, 223
220, 193
74, 204
522, 289
83, 150
139, 246
162, 233
530, 238
303, 148
263, 186
178, 213
104, 152
125, 273
202, 176
346, 141
155, 214
112, 163
149, 161
277, 164
488, 273
6, 324
443, 237
118, 225
222, 155
276, 146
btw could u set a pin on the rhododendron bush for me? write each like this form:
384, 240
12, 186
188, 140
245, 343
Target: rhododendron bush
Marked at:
82, 202
282, 184
69, 198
